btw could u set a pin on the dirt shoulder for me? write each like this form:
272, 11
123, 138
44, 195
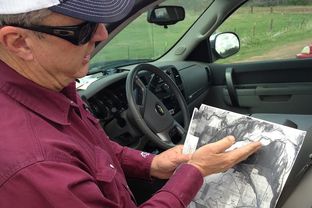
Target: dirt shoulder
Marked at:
283, 52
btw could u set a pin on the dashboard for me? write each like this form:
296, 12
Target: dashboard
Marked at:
109, 102
106, 96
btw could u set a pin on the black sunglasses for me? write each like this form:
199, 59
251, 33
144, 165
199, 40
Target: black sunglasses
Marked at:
76, 34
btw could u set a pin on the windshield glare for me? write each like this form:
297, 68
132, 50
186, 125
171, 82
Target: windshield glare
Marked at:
141, 40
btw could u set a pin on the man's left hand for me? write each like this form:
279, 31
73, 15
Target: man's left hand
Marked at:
164, 164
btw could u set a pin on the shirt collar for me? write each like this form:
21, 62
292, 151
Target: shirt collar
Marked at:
49, 104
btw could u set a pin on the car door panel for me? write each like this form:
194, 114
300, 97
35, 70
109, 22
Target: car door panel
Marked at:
270, 87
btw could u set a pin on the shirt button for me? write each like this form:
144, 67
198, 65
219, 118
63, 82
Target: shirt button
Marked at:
111, 166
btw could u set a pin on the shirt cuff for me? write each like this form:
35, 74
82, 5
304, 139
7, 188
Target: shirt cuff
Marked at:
137, 164
184, 183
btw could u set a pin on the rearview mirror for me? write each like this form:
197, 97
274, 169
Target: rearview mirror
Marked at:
166, 15
225, 44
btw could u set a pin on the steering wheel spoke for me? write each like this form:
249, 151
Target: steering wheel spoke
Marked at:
175, 134
139, 92
182, 131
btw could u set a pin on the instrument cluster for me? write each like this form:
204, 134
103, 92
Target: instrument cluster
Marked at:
110, 102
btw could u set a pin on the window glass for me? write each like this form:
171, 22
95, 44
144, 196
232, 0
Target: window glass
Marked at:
270, 30
141, 40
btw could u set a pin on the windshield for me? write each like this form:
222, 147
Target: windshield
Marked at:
142, 41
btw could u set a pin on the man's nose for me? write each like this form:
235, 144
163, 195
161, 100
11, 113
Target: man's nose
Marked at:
100, 33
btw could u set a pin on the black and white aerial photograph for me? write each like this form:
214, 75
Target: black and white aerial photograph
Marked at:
256, 182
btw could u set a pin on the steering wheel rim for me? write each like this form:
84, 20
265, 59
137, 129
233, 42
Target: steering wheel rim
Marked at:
154, 109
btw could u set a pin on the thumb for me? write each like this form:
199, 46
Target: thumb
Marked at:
184, 158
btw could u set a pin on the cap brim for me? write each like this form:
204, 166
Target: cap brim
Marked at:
102, 11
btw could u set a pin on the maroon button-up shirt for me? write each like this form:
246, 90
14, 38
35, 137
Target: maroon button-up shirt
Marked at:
54, 153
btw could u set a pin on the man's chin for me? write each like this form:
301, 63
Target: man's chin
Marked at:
84, 71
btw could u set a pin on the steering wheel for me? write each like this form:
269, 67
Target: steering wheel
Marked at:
149, 113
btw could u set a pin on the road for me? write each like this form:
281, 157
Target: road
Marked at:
283, 52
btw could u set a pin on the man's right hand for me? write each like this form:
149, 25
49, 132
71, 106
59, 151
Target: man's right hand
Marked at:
212, 158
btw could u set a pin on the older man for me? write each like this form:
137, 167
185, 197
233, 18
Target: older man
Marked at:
53, 152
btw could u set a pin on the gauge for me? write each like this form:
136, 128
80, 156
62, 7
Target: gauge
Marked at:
101, 110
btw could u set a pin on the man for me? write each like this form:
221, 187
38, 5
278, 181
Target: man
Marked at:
53, 152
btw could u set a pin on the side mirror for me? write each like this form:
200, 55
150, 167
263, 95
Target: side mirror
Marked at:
225, 44
166, 15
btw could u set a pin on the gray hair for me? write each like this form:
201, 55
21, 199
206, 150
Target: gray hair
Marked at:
26, 19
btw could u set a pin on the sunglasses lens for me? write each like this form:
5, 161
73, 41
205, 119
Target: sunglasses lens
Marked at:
87, 32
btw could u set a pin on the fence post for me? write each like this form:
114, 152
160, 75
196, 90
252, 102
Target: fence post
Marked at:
128, 51
271, 25
254, 30
302, 24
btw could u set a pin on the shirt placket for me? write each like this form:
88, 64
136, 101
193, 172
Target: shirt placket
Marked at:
95, 133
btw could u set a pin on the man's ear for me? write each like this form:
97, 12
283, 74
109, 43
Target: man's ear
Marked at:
14, 40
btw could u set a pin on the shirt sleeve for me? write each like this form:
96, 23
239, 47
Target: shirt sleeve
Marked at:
54, 184
180, 189
129, 160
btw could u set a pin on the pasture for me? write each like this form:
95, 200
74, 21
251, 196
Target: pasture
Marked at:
261, 30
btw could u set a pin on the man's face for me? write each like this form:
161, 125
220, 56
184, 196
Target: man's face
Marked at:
59, 58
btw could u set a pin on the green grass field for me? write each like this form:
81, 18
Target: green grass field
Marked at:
143, 40
264, 29
260, 29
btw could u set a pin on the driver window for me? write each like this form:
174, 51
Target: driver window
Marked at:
270, 30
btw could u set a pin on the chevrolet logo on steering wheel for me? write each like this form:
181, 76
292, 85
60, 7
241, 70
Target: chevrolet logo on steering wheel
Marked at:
159, 109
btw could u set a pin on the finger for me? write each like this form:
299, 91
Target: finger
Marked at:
179, 147
183, 157
244, 152
222, 145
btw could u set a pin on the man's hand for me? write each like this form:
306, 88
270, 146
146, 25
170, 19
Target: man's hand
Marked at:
212, 158
164, 164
